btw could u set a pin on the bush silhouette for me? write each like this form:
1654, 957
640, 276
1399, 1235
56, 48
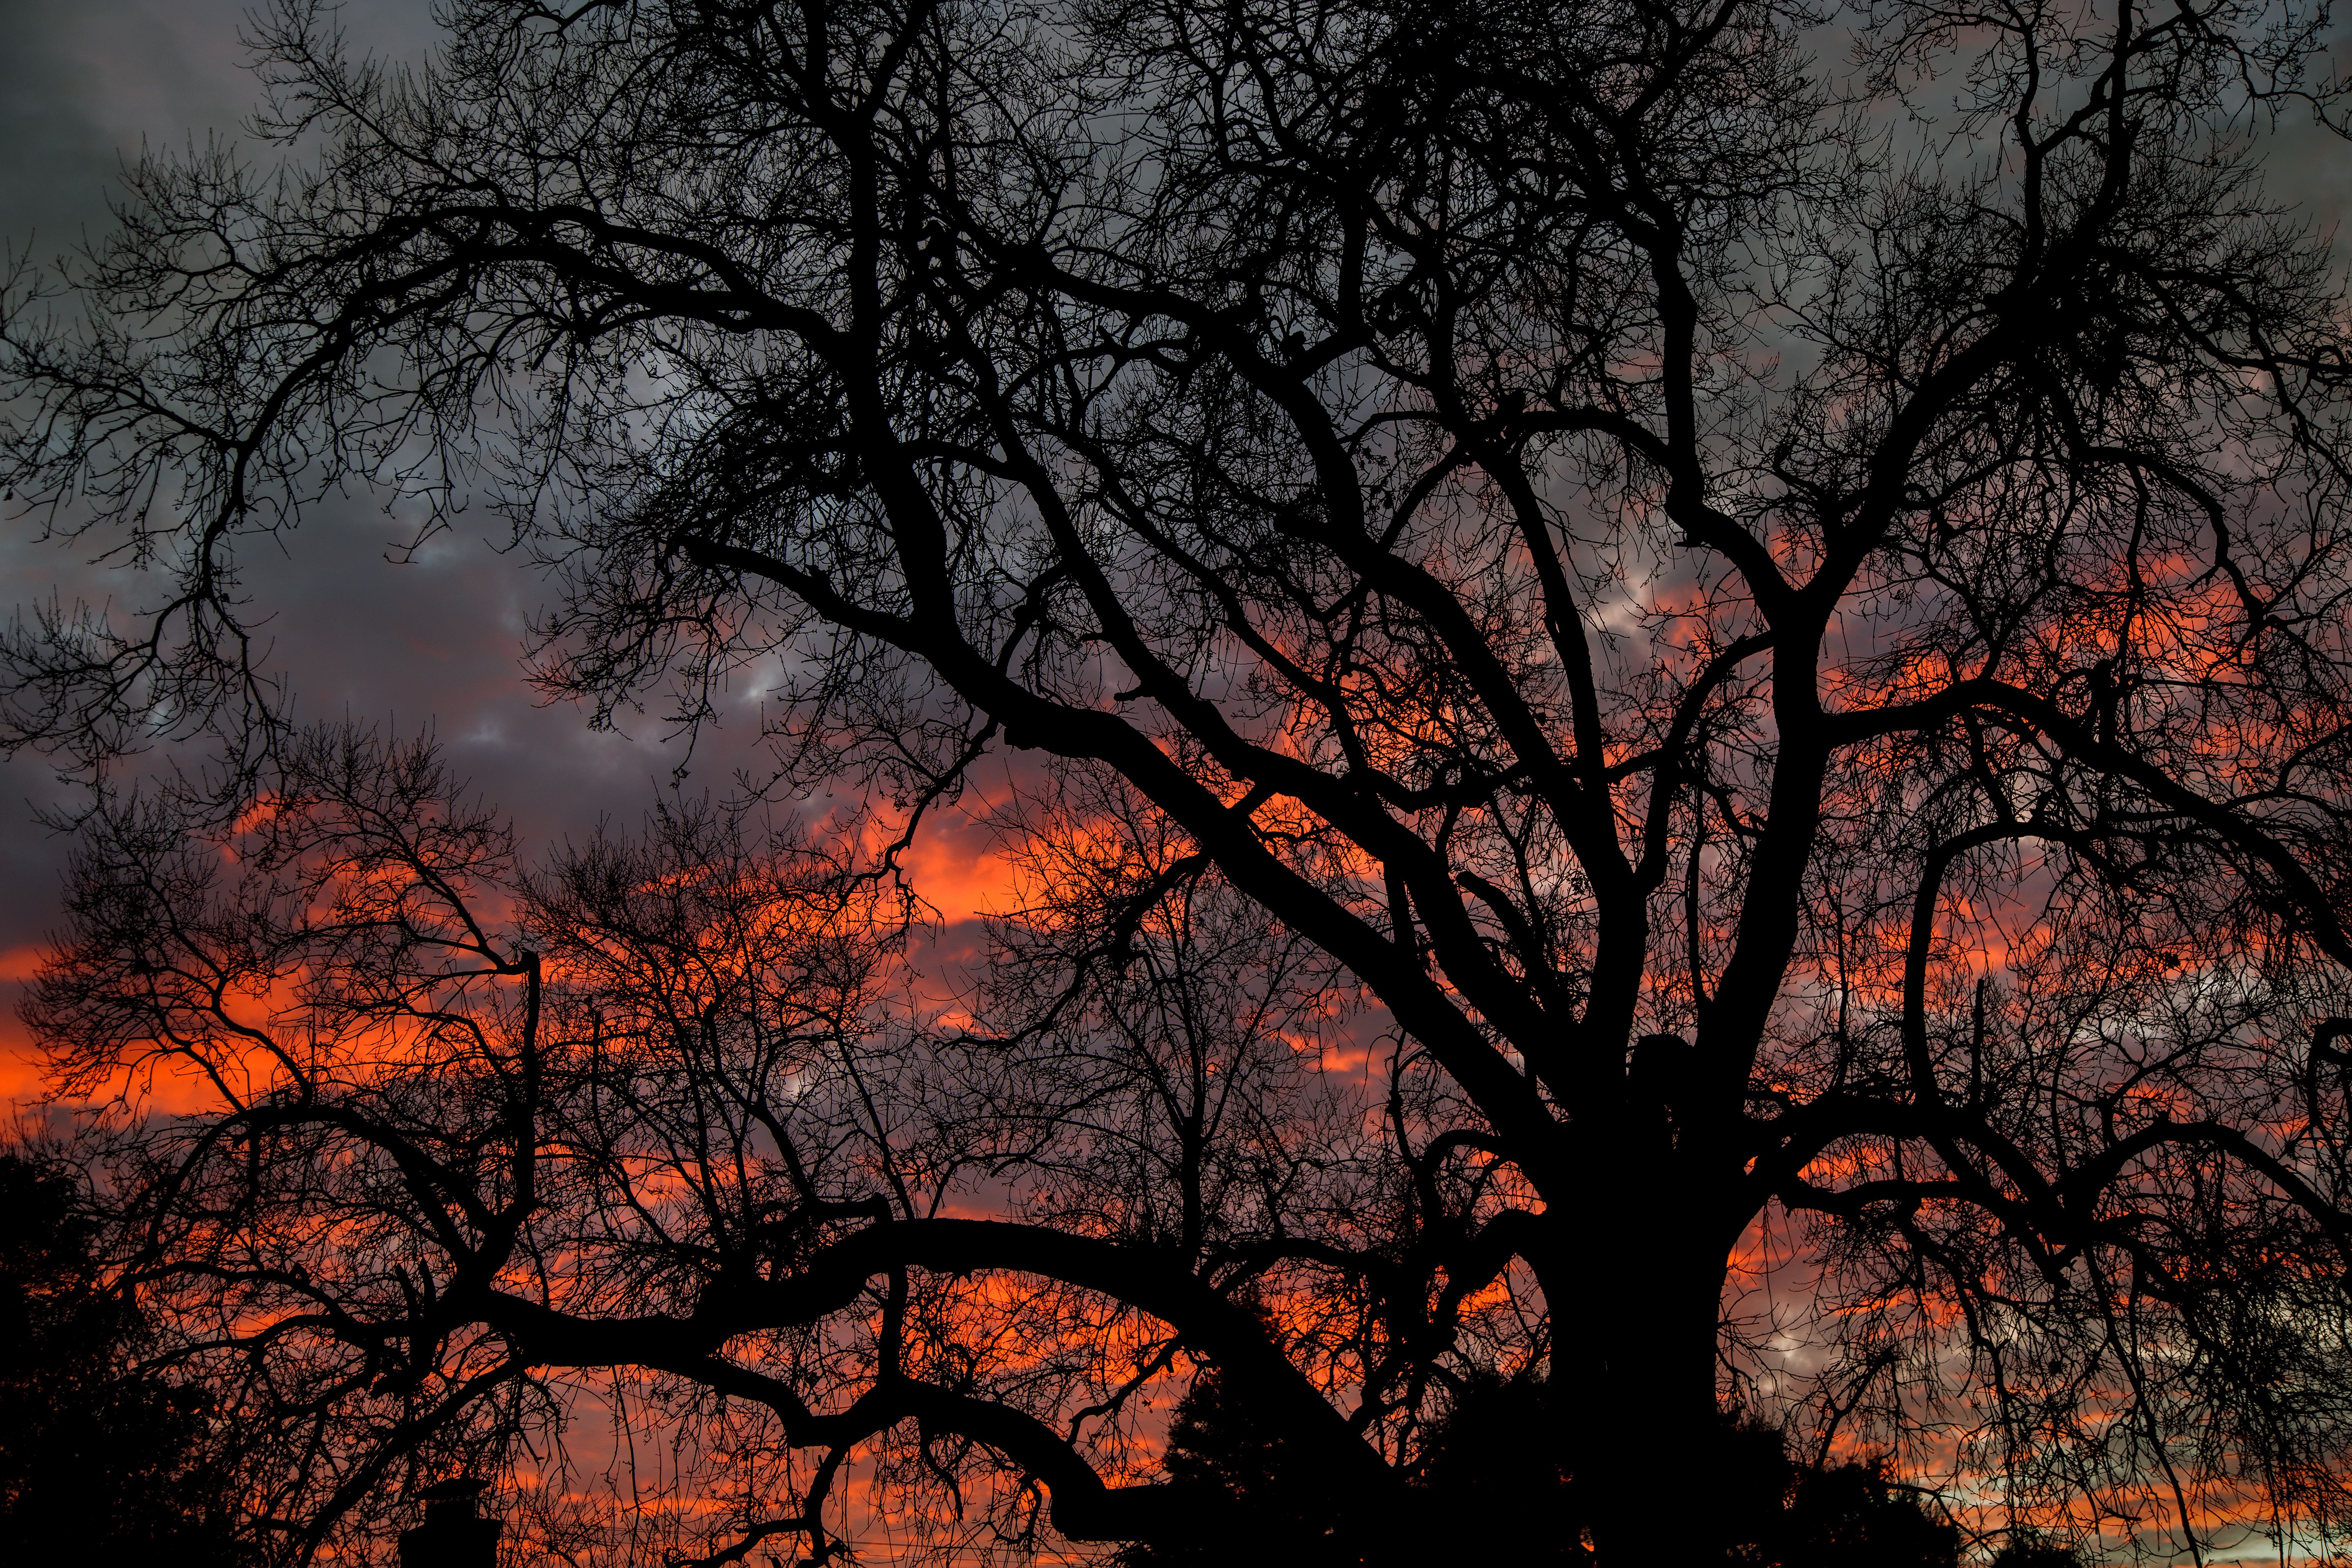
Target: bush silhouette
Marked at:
1853, 1516
1495, 1490
98, 1463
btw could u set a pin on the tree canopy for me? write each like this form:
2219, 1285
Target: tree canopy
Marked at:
1755, 591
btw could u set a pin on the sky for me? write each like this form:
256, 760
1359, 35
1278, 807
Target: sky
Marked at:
84, 87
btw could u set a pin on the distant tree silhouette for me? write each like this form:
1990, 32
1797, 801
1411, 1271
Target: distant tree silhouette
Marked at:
1239, 1488
1852, 1516
1494, 1468
1494, 1487
1489, 1477
98, 1463
2032, 1552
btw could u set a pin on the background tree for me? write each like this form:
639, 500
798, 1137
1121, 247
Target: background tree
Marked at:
101, 1460
1801, 664
1488, 1471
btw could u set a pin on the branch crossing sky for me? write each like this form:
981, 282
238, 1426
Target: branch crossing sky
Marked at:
82, 88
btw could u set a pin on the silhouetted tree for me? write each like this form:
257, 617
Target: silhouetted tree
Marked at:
1853, 1516
2031, 1553
1769, 582
1240, 1500
1487, 1475
1491, 1467
99, 1461
1489, 1471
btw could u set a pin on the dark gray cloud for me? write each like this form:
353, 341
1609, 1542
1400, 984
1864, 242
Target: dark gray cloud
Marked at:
84, 90
57, 158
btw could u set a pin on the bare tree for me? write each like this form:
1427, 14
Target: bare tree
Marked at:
1781, 611
477, 1137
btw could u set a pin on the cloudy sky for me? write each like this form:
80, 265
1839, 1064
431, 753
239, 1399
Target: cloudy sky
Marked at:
83, 87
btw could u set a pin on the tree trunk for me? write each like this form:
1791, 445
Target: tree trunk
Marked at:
1634, 1369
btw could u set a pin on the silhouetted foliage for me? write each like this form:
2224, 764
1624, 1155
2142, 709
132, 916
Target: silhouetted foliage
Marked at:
2032, 1552
98, 1462
1494, 1487
1853, 1516
1493, 1470
1241, 1502
1488, 1482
